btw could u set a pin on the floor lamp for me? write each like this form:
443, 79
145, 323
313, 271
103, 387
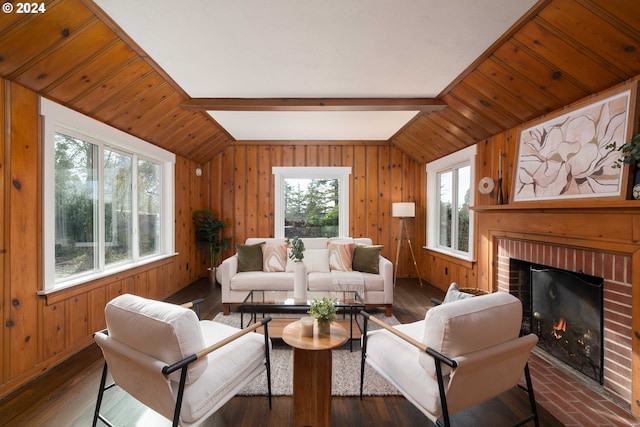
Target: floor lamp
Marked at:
404, 210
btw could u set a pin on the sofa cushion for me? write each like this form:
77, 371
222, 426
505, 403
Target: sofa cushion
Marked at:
249, 257
367, 258
324, 282
259, 280
164, 331
274, 258
341, 256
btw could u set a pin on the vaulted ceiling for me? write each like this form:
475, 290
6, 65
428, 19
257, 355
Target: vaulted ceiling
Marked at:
557, 53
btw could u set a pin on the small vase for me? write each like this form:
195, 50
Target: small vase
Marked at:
324, 328
299, 281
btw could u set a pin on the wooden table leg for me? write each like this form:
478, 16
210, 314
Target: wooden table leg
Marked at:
311, 387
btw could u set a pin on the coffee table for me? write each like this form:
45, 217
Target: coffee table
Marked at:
312, 369
272, 301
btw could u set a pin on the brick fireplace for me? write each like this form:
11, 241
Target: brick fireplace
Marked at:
615, 269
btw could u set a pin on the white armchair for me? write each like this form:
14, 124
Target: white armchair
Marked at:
181, 367
463, 353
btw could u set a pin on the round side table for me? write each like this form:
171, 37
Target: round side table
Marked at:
312, 367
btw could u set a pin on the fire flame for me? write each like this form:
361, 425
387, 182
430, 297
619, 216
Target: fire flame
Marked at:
559, 328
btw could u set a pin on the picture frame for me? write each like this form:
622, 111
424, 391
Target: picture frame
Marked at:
567, 154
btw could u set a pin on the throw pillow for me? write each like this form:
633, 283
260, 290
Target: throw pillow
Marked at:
249, 257
454, 294
341, 256
274, 258
316, 261
367, 258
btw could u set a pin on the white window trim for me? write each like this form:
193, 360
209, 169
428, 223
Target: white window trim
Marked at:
57, 118
461, 157
310, 172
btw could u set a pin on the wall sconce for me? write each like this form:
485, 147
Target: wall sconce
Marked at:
198, 172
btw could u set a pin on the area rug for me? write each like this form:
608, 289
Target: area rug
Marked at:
346, 368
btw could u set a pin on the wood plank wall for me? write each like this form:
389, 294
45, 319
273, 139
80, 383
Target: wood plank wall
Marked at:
242, 189
39, 332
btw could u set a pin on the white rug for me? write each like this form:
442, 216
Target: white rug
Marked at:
346, 368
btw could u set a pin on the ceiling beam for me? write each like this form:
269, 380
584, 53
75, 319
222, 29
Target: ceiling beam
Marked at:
314, 104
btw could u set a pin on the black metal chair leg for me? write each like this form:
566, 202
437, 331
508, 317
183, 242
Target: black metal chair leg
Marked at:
268, 361
103, 381
532, 399
364, 353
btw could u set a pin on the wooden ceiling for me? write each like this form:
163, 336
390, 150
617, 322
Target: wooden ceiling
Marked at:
563, 51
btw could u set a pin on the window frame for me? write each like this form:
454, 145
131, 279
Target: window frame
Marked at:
461, 158
57, 118
281, 173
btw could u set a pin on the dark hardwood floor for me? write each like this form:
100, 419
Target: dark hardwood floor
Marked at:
65, 396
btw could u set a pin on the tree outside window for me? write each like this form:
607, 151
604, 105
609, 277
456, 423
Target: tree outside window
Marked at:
78, 201
312, 207
76, 233
449, 198
311, 201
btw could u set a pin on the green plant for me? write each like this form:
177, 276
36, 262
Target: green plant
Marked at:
323, 309
297, 248
630, 151
207, 229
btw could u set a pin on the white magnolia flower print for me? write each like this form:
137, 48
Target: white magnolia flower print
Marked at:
568, 156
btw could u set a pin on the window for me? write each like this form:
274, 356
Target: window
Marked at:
311, 201
111, 196
449, 196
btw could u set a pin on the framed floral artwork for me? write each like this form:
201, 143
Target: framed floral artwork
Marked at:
565, 156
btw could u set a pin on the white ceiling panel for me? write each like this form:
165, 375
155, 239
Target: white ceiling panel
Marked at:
314, 49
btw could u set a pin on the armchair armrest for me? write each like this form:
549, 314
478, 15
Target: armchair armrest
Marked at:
195, 304
386, 271
228, 268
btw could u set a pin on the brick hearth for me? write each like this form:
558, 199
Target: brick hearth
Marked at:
576, 401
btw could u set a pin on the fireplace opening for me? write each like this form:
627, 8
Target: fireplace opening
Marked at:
565, 310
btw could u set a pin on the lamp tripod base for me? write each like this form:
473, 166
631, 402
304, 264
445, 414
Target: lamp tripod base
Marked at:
413, 255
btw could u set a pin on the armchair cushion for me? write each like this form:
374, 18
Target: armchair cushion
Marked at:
164, 331
236, 364
395, 360
470, 325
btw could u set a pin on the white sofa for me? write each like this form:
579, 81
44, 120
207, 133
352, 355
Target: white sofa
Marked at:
378, 288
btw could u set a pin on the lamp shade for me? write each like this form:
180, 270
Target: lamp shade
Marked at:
404, 210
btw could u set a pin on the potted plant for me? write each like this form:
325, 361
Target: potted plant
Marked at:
297, 248
208, 229
630, 151
324, 311
630, 155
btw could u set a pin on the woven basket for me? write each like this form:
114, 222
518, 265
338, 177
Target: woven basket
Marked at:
473, 291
